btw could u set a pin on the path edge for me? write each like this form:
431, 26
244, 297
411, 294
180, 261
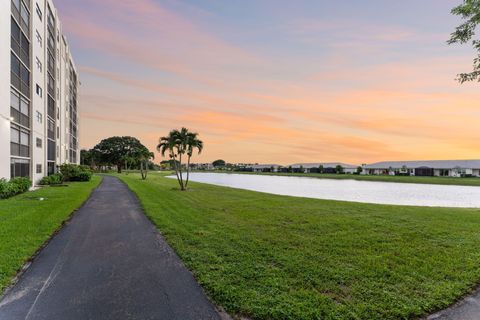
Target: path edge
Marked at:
457, 303
21, 271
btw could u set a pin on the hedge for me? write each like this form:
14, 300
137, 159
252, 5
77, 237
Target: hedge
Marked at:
13, 187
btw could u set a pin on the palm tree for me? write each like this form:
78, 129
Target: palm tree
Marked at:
144, 158
169, 145
177, 144
192, 143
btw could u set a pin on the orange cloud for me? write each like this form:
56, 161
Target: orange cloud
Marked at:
149, 69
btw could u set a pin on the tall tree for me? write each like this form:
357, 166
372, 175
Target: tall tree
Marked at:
219, 163
87, 157
192, 143
119, 150
176, 145
144, 158
169, 145
469, 11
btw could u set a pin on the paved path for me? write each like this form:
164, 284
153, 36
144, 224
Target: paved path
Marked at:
466, 309
108, 262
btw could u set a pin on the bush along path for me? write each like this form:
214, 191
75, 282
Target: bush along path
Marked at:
108, 262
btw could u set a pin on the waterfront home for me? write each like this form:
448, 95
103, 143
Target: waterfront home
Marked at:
441, 168
202, 166
325, 167
266, 168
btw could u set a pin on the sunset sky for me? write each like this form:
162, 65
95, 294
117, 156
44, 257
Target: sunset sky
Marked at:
277, 81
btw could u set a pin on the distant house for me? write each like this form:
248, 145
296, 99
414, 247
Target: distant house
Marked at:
266, 168
441, 168
202, 166
328, 167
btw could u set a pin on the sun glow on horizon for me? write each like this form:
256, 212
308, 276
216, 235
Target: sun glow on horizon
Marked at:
273, 82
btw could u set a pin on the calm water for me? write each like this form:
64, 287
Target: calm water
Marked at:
349, 190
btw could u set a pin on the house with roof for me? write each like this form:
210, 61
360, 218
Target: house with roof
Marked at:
438, 168
266, 168
328, 167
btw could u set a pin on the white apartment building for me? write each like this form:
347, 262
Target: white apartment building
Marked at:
38, 91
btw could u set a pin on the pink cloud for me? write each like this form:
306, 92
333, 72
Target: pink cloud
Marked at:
143, 32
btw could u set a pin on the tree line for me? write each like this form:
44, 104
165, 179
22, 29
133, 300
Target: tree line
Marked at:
126, 153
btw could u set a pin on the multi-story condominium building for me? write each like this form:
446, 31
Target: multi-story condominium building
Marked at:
38, 91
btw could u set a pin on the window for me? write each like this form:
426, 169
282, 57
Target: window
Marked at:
39, 12
19, 42
39, 117
50, 42
39, 91
51, 85
19, 109
39, 64
19, 142
17, 4
51, 107
51, 150
39, 38
51, 130
25, 16
39, 143
22, 15
20, 76
51, 168
39, 168
19, 168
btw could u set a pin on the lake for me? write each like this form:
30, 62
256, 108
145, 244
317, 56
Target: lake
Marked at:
349, 190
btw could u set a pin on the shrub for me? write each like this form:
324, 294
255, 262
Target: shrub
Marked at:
45, 181
23, 184
73, 172
53, 179
84, 176
13, 187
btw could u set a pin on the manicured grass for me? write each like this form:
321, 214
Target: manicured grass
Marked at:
423, 180
275, 257
26, 222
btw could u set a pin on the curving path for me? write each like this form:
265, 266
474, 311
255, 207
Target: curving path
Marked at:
466, 309
108, 262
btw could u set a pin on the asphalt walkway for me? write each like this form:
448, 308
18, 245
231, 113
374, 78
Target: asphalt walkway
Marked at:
108, 262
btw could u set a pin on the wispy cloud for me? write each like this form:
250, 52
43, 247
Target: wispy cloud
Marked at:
355, 90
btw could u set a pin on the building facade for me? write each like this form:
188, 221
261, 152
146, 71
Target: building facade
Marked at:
38, 91
437, 168
266, 168
327, 167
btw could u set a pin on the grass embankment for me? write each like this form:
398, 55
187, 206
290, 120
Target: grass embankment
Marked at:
26, 222
383, 178
275, 257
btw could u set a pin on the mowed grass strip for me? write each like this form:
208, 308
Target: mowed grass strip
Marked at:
26, 223
275, 257
471, 181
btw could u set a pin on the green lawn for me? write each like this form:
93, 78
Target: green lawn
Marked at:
26, 223
424, 180
275, 257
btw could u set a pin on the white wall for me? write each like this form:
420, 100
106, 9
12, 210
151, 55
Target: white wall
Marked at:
39, 104
5, 10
